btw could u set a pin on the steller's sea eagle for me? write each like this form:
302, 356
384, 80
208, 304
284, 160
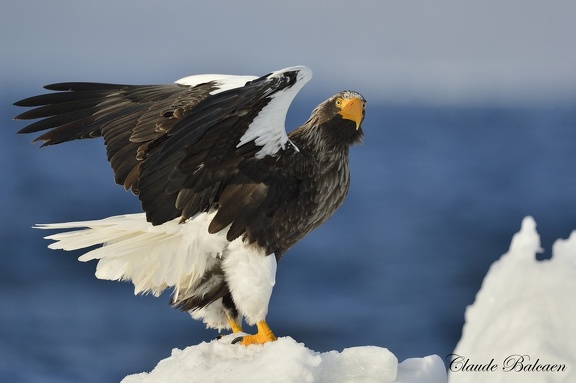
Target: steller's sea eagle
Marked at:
225, 191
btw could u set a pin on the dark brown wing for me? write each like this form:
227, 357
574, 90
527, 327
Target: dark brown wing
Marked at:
184, 150
128, 117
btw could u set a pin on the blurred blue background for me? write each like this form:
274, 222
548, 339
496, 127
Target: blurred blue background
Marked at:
471, 126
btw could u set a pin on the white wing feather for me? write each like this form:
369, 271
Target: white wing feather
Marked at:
223, 81
268, 129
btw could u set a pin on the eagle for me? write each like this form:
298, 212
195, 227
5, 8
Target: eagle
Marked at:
224, 190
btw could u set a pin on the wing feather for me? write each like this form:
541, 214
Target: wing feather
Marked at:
129, 117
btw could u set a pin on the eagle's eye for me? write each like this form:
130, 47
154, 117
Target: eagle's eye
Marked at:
339, 102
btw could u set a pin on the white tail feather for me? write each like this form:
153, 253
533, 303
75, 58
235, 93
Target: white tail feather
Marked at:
152, 257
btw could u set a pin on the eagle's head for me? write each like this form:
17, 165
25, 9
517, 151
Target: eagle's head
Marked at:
338, 120
350, 106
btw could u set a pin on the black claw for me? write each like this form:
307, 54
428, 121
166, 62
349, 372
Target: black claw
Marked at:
236, 340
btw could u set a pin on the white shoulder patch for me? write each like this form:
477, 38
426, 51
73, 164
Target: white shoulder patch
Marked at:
223, 81
268, 128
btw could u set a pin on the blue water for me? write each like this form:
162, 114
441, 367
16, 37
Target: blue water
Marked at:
436, 195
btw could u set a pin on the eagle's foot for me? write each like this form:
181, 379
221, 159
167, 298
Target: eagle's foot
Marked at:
263, 335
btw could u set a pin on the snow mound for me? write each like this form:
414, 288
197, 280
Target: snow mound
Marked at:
287, 361
522, 327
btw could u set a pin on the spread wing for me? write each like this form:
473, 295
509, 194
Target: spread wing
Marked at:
185, 147
128, 117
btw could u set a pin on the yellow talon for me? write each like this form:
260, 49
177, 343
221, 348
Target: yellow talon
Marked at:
263, 335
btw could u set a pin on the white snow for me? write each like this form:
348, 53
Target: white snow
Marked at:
524, 316
286, 361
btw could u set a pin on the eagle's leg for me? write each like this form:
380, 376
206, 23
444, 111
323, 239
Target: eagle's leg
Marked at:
263, 335
235, 326
234, 319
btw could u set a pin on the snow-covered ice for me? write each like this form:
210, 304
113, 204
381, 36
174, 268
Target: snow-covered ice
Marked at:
286, 361
524, 316
521, 328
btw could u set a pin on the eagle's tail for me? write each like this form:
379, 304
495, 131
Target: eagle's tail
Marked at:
152, 257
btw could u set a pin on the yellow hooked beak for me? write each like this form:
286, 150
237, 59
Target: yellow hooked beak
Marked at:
352, 109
